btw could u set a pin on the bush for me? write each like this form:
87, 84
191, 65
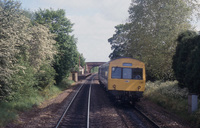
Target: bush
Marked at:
186, 61
170, 96
168, 89
192, 76
24, 48
22, 81
45, 77
13, 32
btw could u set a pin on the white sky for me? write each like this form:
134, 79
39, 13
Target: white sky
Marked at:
94, 22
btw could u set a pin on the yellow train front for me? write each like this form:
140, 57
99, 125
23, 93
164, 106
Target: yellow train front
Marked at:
124, 78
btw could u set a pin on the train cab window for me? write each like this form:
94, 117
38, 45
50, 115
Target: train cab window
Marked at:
116, 72
127, 73
137, 73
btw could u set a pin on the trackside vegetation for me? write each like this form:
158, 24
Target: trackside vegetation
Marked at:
170, 96
37, 53
26, 100
186, 61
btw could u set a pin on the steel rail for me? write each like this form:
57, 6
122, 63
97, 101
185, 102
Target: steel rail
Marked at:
58, 124
146, 117
88, 113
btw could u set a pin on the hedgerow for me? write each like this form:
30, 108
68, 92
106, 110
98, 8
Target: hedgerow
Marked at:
186, 61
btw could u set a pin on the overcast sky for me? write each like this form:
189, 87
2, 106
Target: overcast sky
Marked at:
94, 22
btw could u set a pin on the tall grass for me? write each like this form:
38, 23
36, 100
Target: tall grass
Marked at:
170, 96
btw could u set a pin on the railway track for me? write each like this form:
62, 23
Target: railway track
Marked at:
77, 112
81, 112
153, 124
133, 117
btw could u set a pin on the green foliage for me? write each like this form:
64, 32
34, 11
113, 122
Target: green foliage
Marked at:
155, 26
22, 82
192, 77
9, 110
29, 14
55, 20
169, 89
24, 48
82, 60
13, 34
45, 77
183, 50
40, 46
119, 41
186, 61
170, 96
65, 83
67, 56
6, 115
150, 35
31, 54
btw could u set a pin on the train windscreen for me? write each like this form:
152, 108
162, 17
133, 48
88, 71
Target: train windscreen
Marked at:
137, 73
116, 73
127, 73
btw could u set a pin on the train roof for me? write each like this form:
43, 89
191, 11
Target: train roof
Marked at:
117, 59
123, 58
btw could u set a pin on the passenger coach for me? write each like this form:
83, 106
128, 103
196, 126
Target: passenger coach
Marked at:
124, 78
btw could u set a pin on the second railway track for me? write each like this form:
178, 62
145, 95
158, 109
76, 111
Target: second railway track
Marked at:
77, 112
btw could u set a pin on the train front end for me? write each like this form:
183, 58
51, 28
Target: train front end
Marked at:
126, 79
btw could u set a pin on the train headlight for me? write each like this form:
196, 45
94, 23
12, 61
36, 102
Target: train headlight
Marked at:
139, 88
114, 86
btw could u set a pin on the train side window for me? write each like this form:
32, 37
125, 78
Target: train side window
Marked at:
116, 72
127, 73
137, 73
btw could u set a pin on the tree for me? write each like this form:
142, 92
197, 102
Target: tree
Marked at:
182, 56
153, 29
119, 41
24, 49
67, 56
55, 20
40, 55
82, 60
193, 68
12, 36
186, 61
41, 46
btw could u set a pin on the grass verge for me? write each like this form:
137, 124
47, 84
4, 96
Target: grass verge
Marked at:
9, 110
170, 96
